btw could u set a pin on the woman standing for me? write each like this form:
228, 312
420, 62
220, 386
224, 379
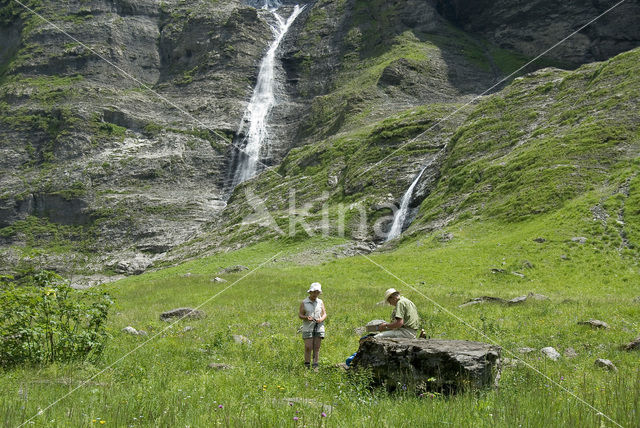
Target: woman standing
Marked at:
313, 313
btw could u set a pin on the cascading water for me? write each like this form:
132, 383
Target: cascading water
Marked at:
254, 128
401, 214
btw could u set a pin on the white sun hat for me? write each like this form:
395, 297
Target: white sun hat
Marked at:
390, 292
316, 286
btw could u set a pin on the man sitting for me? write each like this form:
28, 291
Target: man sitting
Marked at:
405, 320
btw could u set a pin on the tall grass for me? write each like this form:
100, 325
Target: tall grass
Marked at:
167, 382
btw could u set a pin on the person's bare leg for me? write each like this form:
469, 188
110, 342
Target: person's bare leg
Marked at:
308, 347
316, 350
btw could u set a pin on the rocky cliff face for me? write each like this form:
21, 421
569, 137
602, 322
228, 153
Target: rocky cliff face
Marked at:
115, 137
534, 26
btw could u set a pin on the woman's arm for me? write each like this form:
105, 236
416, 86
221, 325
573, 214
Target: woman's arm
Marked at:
323, 316
301, 314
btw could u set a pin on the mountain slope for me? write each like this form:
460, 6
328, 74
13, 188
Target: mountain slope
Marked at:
99, 173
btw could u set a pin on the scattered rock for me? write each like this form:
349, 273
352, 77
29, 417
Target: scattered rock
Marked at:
526, 264
364, 247
445, 237
526, 350
539, 240
232, 269
182, 313
187, 329
595, 323
433, 364
633, 345
482, 299
551, 353
241, 339
515, 300
332, 181
187, 275
266, 324
509, 362
570, 353
360, 331
218, 279
636, 299
579, 239
342, 366
132, 266
219, 366
518, 274
606, 364
564, 257
496, 270
130, 330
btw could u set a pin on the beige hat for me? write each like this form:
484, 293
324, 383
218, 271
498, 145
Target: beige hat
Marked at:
315, 287
390, 292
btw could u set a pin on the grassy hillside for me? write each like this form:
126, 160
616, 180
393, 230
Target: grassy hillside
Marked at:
167, 383
542, 141
529, 149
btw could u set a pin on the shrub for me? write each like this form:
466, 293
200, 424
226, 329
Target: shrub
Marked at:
43, 320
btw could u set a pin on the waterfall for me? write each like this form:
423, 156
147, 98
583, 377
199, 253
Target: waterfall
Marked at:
401, 214
253, 128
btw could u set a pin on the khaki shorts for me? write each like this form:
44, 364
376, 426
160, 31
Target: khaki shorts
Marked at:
312, 334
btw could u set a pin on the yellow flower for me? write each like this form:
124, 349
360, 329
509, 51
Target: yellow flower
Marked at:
93, 421
103, 422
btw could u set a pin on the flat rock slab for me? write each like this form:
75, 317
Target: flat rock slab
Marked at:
514, 301
182, 313
595, 323
232, 269
434, 364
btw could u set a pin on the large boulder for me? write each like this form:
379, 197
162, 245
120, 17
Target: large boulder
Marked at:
434, 364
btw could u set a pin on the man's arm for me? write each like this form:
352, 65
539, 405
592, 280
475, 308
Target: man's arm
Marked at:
399, 322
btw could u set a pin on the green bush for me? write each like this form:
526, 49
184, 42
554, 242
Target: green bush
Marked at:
43, 320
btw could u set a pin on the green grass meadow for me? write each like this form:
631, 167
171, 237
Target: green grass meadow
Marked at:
166, 382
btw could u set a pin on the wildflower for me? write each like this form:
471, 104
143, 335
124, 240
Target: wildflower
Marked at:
323, 414
103, 422
93, 421
295, 418
220, 406
290, 403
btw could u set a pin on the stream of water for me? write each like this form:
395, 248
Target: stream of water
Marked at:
401, 215
254, 126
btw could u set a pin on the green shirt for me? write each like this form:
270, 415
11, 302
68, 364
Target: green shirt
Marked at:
406, 310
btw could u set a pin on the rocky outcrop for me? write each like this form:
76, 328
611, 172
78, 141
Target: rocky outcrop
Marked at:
117, 148
534, 26
434, 364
